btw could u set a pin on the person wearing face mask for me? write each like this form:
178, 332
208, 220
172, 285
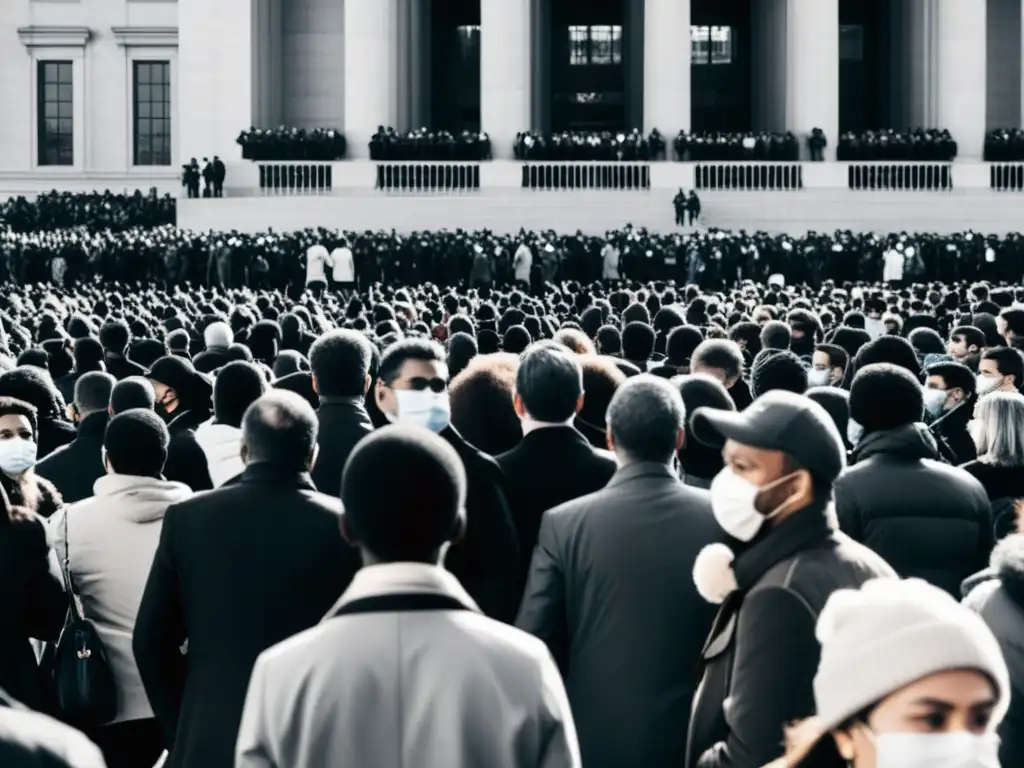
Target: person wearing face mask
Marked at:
785, 557
18, 456
183, 400
949, 400
926, 518
998, 433
412, 388
1001, 369
828, 366
908, 678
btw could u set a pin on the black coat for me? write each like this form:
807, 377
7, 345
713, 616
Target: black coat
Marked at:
186, 461
211, 359
32, 740
76, 467
236, 571
762, 654
53, 433
343, 423
486, 558
951, 429
121, 367
32, 604
550, 466
927, 519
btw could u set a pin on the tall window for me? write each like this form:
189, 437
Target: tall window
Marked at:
711, 45
596, 45
152, 100
56, 116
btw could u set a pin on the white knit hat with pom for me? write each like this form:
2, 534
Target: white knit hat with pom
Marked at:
890, 633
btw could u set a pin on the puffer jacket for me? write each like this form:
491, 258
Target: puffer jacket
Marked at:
222, 445
925, 518
997, 595
111, 540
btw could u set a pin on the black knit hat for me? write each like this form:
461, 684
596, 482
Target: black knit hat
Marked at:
885, 396
779, 370
888, 349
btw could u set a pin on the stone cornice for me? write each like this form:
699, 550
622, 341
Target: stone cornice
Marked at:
146, 37
54, 37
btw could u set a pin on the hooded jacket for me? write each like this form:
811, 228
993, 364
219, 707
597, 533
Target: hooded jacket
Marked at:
997, 595
222, 445
111, 540
925, 518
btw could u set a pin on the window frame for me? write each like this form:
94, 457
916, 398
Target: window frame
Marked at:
704, 35
46, 45
63, 66
150, 53
165, 119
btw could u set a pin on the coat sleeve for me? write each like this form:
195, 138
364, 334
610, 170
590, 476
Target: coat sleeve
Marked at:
560, 748
160, 632
186, 463
776, 658
848, 512
46, 602
251, 750
543, 612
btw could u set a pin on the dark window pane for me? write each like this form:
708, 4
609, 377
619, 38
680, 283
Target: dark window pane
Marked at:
64, 127
64, 72
65, 92
55, 113
50, 109
152, 101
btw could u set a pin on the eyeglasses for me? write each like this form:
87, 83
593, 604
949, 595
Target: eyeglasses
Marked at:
421, 383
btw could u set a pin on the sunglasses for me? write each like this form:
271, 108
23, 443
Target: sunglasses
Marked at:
420, 383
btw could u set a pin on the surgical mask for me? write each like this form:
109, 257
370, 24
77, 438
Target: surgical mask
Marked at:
816, 378
732, 502
986, 384
854, 432
423, 408
17, 455
934, 401
956, 749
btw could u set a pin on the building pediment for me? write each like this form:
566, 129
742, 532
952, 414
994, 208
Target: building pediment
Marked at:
146, 37
38, 36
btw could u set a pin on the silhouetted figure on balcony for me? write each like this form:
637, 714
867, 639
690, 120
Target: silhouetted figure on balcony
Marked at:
693, 207
817, 142
191, 178
219, 174
207, 178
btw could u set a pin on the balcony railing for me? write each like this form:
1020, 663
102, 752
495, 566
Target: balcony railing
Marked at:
754, 177
1006, 177
296, 178
427, 177
586, 175
901, 177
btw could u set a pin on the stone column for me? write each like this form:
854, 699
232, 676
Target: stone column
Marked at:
667, 67
371, 71
812, 71
961, 82
217, 76
506, 72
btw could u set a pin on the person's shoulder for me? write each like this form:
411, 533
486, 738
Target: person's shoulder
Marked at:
34, 740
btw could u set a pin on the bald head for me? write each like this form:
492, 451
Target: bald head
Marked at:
280, 428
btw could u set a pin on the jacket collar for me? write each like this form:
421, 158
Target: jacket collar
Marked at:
349, 402
640, 469
956, 418
93, 425
800, 531
563, 432
266, 472
391, 579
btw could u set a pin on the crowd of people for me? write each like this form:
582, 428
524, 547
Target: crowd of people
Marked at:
323, 144
1005, 145
715, 146
575, 146
90, 211
558, 523
921, 144
423, 144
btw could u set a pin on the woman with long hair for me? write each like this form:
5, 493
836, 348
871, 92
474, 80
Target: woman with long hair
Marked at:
998, 433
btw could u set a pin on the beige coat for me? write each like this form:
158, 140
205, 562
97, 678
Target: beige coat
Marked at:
391, 688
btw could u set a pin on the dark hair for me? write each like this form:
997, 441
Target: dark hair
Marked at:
92, 392
375, 487
9, 405
549, 381
955, 375
721, 354
885, 396
645, 416
280, 428
88, 354
1009, 362
1014, 319
132, 392
136, 443
701, 391
781, 370
776, 335
682, 341
481, 403
926, 341
340, 362
609, 340
115, 336
397, 354
237, 386
638, 340
516, 339
837, 356
973, 337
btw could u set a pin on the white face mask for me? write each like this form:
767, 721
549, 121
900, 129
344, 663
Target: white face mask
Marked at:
17, 455
934, 401
732, 502
854, 432
816, 378
958, 749
986, 384
423, 408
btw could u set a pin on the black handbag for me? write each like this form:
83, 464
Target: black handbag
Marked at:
85, 695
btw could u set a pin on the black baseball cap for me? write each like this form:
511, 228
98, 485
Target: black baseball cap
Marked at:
778, 421
180, 375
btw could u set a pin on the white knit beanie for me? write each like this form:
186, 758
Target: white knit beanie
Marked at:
890, 633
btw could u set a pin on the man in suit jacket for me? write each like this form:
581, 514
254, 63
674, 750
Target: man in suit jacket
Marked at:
404, 670
612, 571
773, 498
75, 468
340, 363
554, 463
237, 570
412, 388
